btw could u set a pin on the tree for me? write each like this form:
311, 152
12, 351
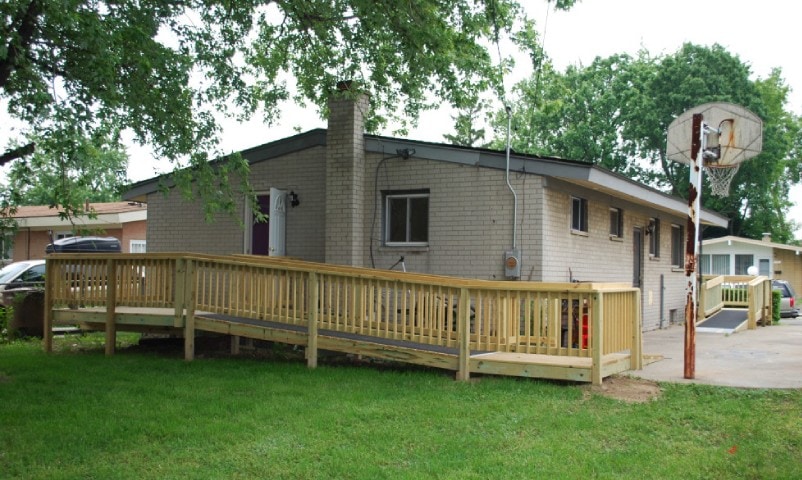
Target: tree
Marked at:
89, 170
615, 113
166, 70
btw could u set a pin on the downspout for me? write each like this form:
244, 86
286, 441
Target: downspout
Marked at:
509, 185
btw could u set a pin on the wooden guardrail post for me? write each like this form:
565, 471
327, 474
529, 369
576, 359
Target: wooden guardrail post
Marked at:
48, 318
636, 350
751, 292
464, 335
597, 334
312, 308
190, 296
111, 306
178, 294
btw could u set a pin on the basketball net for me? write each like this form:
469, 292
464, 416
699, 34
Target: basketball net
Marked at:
720, 177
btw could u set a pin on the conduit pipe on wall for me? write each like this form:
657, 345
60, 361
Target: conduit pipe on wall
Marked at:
509, 185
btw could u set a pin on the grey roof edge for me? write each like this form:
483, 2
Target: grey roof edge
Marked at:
545, 166
475, 156
266, 151
752, 241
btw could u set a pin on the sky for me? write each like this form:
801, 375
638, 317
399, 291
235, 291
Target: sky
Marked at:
764, 35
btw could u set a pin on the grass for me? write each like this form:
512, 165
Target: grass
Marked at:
79, 414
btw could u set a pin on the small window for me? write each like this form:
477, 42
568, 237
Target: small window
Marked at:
138, 246
654, 237
579, 214
406, 219
742, 263
764, 267
677, 246
721, 264
616, 223
61, 235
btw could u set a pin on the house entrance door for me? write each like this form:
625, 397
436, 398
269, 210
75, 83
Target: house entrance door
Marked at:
260, 232
637, 257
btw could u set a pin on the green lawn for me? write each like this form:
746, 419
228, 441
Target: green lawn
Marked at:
79, 414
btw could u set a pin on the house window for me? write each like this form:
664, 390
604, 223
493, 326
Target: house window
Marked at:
742, 263
138, 246
720, 264
61, 235
579, 214
654, 237
677, 246
764, 267
406, 218
616, 223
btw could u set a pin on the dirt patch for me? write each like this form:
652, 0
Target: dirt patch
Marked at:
627, 389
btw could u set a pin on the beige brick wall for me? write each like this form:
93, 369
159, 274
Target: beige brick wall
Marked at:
470, 223
345, 177
176, 224
597, 257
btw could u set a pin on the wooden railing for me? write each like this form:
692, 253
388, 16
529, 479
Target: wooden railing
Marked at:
738, 291
562, 319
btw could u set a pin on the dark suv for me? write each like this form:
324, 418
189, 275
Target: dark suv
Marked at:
787, 299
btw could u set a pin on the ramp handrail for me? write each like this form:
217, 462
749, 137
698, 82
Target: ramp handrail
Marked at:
563, 319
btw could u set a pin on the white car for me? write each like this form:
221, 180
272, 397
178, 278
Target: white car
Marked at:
20, 277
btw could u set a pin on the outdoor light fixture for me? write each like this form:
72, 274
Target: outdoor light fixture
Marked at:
294, 202
405, 153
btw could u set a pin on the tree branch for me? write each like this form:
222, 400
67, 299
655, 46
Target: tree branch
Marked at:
17, 153
16, 50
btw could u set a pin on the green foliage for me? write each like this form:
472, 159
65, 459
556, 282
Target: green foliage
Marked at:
776, 301
168, 71
68, 170
615, 113
6, 314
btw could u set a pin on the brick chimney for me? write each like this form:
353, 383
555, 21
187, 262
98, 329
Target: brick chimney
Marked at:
767, 237
345, 176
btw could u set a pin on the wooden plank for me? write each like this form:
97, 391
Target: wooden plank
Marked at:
111, 303
189, 307
50, 274
312, 322
464, 335
596, 336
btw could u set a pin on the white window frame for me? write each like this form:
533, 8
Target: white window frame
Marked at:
654, 237
743, 256
135, 244
617, 223
580, 224
677, 246
390, 196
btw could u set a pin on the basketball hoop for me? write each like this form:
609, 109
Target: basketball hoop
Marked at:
720, 178
714, 138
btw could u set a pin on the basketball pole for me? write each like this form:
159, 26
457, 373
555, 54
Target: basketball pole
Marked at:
698, 145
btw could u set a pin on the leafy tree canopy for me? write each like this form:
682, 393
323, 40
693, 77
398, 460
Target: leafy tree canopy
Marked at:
615, 113
166, 70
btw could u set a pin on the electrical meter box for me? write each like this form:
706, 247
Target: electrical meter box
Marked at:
512, 263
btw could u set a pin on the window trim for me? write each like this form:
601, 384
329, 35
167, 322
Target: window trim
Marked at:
408, 195
131, 244
677, 246
583, 211
654, 237
619, 234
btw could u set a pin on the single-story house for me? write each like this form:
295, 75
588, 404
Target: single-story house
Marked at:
40, 225
733, 255
340, 196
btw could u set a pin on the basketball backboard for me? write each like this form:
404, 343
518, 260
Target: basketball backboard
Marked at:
740, 134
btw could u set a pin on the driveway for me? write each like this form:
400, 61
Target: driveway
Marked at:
769, 357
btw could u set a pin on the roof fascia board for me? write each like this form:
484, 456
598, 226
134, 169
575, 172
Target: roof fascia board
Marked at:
114, 219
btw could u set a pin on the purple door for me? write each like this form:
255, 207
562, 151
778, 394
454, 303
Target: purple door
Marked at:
261, 231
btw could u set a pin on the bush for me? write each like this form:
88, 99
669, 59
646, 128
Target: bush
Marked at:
776, 298
6, 313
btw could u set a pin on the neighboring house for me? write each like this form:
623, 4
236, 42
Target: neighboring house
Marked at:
734, 255
340, 196
38, 226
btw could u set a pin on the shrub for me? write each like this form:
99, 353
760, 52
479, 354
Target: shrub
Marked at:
776, 298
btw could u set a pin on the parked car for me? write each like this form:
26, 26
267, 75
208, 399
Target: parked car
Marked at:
787, 299
85, 245
20, 277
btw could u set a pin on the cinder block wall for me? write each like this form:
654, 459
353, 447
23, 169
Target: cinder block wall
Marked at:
345, 176
597, 257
